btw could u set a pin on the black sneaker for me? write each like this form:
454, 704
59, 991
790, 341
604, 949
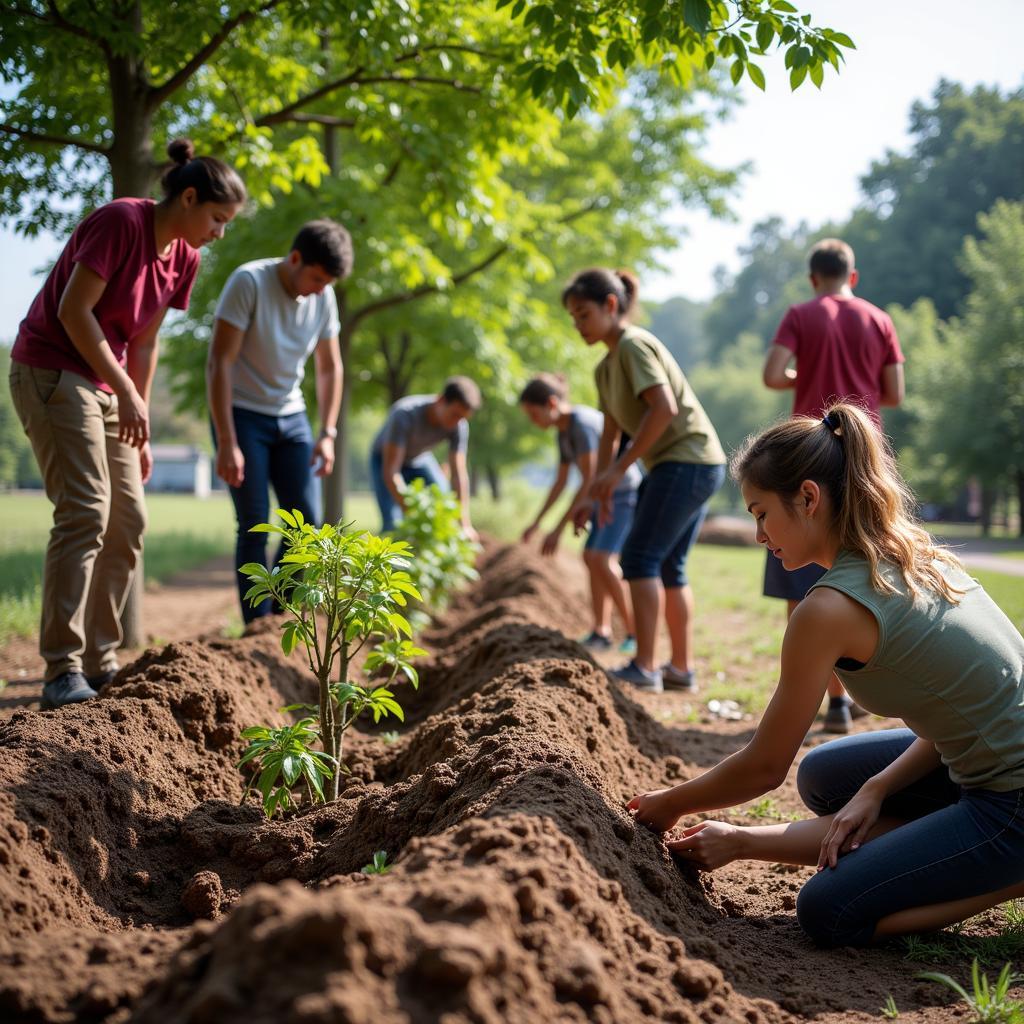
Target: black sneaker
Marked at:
67, 688
595, 641
838, 718
676, 680
641, 678
98, 682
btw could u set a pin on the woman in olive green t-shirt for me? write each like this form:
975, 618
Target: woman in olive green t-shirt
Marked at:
917, 828
643, 393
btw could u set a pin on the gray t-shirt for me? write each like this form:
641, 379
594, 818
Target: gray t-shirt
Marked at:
280, 334
582, 435
407, 425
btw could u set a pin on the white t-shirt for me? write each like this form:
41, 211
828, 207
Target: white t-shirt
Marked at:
280, 334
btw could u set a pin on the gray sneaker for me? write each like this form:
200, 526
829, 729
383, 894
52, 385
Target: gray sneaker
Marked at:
641, 678
676, 680
838, 718
67, 688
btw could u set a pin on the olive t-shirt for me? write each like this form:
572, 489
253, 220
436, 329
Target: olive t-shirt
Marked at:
953, 672
638, 362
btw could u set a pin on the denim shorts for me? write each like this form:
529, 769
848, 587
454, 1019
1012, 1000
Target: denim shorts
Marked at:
612, 535
790, 586
671, 504
956, 843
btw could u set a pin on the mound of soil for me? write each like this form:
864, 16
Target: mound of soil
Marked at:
135, 886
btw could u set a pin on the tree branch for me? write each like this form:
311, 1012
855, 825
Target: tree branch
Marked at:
453, 47
55, 140
58, 21
453, 83
432, 289
158, 93
285, 113
326, 119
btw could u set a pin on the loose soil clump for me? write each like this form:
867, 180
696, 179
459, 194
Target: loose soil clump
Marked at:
135, 887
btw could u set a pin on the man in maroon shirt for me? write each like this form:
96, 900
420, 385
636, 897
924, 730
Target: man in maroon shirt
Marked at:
844, 348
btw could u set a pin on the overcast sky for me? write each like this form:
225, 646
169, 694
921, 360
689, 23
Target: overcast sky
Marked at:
808, 148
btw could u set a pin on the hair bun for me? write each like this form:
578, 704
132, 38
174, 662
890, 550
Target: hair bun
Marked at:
181, 151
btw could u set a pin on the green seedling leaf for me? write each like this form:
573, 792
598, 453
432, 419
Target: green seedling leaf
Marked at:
379, 865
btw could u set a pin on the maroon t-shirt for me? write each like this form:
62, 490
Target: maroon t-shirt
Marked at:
117, 242
841, 344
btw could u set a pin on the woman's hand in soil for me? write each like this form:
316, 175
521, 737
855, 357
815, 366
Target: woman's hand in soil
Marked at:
655, 810
707, 845
850, 826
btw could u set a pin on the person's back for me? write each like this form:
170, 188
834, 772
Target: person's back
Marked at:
845, 349
842, 345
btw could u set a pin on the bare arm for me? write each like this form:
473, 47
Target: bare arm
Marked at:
392, 457
328, 395
661, 409
141, 365
84, 289
553, 495
587, 465
778, 374
460, 484
893, 387
224, 351
814, 641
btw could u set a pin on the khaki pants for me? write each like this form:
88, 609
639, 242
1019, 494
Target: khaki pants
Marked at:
99, 516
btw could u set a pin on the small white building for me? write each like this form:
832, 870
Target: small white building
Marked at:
182, 469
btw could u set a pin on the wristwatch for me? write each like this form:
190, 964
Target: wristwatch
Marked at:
331, 432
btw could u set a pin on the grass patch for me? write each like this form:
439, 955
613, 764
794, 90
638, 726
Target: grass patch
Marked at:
1007, 592
952, 945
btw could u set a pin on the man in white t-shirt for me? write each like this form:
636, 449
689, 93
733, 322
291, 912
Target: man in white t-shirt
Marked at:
272, 316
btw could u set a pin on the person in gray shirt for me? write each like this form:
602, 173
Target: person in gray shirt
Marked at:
545, 400
402, 449
273, 314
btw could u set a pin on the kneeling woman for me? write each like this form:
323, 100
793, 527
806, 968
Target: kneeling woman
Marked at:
917, 828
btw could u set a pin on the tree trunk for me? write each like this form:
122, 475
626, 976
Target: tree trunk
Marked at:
494, 481
131, 171
987, 501
1020, 501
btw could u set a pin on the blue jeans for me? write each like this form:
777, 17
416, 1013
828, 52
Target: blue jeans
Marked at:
612, 535
672, 502
277, 451
957, 843
424, 467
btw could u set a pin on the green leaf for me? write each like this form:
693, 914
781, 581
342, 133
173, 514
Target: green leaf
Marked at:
765, 35
796, 76
697, 14
817, 74
286, 516
756, 75
736, 71
843, 40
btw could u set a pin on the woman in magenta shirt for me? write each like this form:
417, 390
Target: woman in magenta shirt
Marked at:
81, 371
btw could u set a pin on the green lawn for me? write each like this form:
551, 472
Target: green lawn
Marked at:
744, 631
183, 532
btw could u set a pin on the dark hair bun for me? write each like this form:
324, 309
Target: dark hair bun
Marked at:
181, 151
630, 282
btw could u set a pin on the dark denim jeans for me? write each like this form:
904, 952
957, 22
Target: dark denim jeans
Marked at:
671, 505
424, 467
277, 451
957, 843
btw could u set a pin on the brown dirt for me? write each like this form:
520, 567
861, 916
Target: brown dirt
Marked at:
134, 887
